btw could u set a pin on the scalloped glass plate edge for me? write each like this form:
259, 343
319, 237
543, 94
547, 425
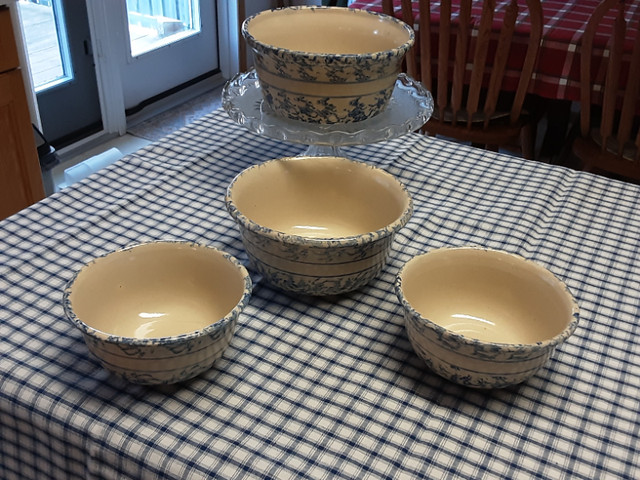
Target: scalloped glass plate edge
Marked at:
410, 107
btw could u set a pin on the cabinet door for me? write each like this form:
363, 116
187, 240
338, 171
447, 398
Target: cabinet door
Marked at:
20, 174
8, 51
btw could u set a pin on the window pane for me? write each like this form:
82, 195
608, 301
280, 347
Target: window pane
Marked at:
46, 39
156, 23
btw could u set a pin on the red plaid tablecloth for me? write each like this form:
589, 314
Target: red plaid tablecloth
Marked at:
557, 72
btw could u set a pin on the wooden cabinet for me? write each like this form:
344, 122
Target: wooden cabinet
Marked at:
20, 173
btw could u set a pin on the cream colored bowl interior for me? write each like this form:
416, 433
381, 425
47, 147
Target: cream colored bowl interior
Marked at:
156, 290
333, 30
319, 197
487, 295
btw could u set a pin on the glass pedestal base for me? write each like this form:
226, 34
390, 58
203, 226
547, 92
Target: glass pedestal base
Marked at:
409, 108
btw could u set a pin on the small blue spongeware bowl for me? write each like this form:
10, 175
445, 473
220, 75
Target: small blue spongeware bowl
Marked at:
484, 318
327, 64
159, 312
318, 225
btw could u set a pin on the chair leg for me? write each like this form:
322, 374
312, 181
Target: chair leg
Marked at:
528, 140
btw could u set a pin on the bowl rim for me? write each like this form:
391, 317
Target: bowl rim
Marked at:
166, 340
398, 50
483, 345
293, 239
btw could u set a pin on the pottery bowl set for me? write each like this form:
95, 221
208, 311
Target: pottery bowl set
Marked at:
163, 312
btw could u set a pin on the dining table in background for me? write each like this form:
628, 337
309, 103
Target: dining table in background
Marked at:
557, 72
555, 83
323, 387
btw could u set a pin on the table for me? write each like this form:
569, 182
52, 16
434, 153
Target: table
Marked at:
557, 72
323, 387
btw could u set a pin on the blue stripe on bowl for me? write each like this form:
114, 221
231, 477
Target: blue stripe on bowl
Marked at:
313, 275
475, 356
382, 247
517, 373
359, 81
136, 367
376, 94
135, 352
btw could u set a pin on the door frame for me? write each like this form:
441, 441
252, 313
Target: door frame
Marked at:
106, 55
110, 89
25, 68
108, 35
108, 38
69, 105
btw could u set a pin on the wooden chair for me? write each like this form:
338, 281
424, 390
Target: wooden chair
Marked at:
470, 103
610, 140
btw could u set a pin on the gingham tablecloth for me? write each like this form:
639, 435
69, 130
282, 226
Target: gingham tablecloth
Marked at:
323, 388
557, 71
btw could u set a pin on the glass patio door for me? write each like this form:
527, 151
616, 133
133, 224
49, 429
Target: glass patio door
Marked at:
148, 47
62, 67
171, 42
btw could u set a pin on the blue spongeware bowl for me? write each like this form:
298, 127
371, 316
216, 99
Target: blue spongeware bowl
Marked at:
159, 312
327, 64
484, 318
318, 225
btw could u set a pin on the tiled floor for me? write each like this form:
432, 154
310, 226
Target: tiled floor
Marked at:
140, 134
167, 122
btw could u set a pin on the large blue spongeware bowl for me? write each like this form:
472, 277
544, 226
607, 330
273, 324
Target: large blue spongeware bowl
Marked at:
327, 64
318, 225
160, 312
484, 318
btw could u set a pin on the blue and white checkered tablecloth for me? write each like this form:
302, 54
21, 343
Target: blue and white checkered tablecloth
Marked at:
323, 388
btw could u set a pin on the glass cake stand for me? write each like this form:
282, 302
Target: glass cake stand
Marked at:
409, 108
